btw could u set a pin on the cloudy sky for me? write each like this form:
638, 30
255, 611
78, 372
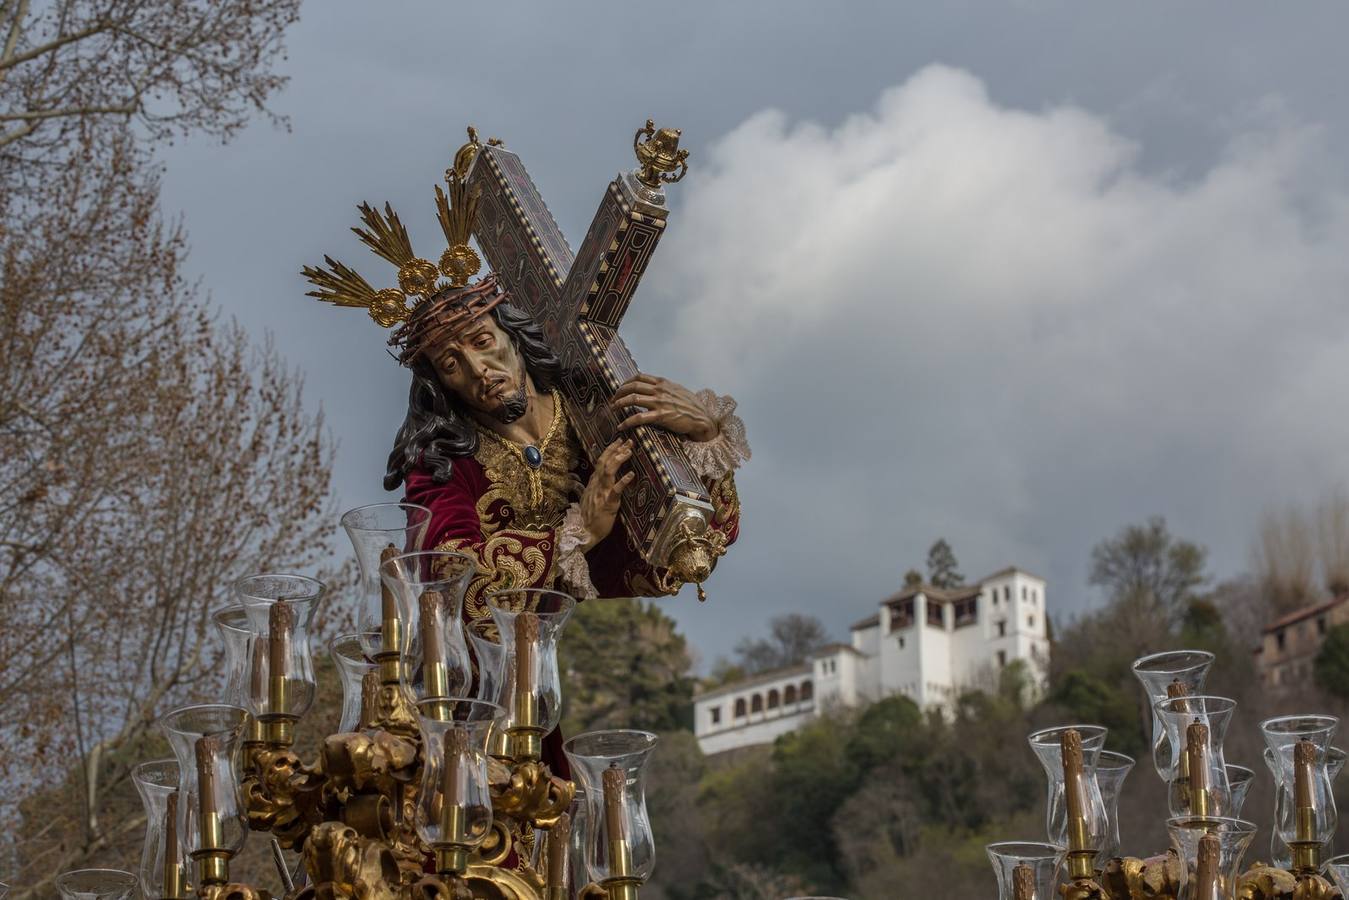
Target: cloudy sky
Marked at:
1012, 274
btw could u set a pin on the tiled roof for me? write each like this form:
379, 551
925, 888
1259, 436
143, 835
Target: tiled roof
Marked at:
1306, 612
829, 649
940, 595
868, 622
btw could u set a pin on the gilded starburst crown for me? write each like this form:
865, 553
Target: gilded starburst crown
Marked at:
419, 280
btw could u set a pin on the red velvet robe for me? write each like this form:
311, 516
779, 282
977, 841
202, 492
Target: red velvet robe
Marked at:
514, 554
471, 513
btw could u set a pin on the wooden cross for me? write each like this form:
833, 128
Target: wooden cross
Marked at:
579, 301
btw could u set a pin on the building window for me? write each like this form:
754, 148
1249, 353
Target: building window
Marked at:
807, 692
789, 694
1321, 625
901, 642
1023, 592
1002, 658
756, 703
1007, 593
1002, 628
773, 700
966, 612
1030, 621
934, 614
1278, 638
716, 715
740, 708
901, 614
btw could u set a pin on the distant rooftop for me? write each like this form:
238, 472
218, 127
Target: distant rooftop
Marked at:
827, 649
761, 678
1010, 570
1305, 612
941, 595
872, 621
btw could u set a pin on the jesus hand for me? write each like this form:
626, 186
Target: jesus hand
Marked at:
600, 499
667, 404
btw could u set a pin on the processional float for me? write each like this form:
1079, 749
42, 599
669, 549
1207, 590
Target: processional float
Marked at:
435, 786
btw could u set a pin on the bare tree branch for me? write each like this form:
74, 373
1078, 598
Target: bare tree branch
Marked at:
19, 13
12, 59
125, 109
148, 454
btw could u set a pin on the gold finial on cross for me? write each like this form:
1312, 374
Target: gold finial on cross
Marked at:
659, 155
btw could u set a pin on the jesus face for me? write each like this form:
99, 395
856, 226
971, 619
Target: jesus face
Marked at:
482, 367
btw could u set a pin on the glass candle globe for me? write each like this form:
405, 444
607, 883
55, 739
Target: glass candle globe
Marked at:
373, 529
1239, 781
529, 622
211, 814
1337, 870
96, 884
281, 683
433, 583
610, 768
1209, 717
231, 623
1234, 836
454, 803
1279, 853
1048, 749
163, 871
1111, 770
492, 676
1186, 669
1282, 736
348, 652
580, 831
1043, 860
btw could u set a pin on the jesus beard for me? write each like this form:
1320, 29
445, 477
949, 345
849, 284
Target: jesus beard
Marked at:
513, 405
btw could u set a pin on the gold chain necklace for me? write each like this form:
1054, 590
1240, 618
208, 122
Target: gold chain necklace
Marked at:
531, 456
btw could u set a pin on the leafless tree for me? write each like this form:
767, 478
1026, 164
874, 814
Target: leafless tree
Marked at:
1332, 542
149, 454
168, 67
1285, 559
792, 638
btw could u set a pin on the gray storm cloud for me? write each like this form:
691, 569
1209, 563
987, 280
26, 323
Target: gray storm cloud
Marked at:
949, 317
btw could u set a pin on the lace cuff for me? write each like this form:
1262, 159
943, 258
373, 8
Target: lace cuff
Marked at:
572, 537
717, 458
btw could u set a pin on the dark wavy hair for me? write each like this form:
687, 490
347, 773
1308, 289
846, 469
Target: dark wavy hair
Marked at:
437, 430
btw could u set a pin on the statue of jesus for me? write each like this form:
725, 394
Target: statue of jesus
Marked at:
487, 447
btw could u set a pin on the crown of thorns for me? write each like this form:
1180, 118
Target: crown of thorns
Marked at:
425, 308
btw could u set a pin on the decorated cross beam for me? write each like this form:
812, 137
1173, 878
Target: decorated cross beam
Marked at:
579, 301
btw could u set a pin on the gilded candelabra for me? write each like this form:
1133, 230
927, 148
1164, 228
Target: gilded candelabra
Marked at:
440, 789
1205, 795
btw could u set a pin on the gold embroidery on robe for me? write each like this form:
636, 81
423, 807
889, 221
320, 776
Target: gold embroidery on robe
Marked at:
506, 503
510, 559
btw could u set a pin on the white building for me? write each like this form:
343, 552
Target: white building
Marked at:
925, 643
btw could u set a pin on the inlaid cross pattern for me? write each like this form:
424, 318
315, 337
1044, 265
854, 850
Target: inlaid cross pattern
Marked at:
579, 301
